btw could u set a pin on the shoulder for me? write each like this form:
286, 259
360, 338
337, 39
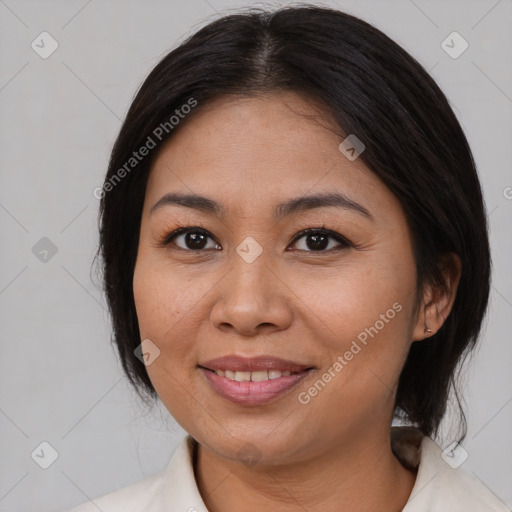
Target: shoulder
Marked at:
441, 483
134, 497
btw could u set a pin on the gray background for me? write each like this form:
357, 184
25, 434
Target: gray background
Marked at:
60, 380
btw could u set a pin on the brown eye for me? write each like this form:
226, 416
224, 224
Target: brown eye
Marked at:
320, 240
191, 239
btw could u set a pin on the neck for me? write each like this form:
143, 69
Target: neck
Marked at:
357, 476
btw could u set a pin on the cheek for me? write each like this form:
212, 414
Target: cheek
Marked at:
169, 302
346, 301
164, 302
149, 296
365, 324
164, 295
363, 314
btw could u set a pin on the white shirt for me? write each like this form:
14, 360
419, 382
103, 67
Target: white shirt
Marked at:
438, 487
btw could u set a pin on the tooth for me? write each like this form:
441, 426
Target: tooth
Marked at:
259, 376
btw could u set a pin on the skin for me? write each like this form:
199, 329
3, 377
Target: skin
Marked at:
307, 305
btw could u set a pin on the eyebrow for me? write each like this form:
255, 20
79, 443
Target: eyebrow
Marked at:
281, 210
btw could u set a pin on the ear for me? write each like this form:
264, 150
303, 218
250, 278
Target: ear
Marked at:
437, 301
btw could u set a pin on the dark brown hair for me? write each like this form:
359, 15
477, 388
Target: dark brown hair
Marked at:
375, 90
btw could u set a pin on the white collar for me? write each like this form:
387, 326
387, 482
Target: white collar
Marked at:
441, 488
438, 487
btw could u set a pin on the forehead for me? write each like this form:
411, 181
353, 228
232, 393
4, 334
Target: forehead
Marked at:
260, 149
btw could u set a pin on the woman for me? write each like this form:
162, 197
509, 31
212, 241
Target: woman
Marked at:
295, 245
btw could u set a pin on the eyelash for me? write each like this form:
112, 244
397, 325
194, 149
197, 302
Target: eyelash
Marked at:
344, 243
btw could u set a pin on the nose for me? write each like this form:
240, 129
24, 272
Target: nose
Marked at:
251, 299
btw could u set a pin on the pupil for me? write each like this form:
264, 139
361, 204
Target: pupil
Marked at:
319, 241
195, 240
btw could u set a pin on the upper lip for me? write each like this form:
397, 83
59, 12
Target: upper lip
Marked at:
252, 364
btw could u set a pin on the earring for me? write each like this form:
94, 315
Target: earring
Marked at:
426, 330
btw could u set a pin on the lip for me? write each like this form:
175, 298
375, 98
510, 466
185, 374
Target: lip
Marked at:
250, 393
253, 364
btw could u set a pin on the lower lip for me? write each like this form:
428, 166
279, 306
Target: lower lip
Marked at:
252, 393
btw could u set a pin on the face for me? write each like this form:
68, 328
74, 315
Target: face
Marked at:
242, 280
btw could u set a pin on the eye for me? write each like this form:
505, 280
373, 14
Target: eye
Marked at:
191, 239
319, 240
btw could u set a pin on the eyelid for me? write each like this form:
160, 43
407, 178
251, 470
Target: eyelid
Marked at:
329, 232
167, 239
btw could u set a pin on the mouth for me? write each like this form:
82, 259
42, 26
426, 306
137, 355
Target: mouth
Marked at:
253, 388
